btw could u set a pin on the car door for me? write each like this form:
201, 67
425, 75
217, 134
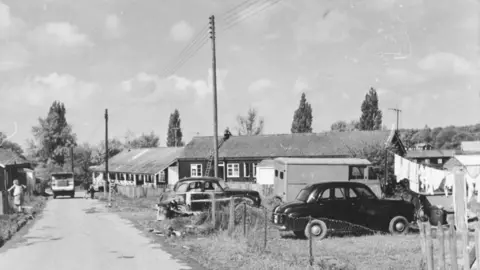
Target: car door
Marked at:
341, 205
358, 214
197, 196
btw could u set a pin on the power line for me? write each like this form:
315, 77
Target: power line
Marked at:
233, 11
243, 17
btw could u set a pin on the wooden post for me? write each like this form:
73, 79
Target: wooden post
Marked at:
214, 223
244, 219
452, 244
266, 228
231, 218
310, 243
429, 246
466, 254
477, 244
423, 242
441, 240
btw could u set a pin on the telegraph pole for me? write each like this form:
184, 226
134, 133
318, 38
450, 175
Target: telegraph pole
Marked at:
214, 83
398, 112
72, 157
106, 154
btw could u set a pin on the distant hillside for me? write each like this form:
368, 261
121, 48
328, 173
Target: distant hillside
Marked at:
441, 137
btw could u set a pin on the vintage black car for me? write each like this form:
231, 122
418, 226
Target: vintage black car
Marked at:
352, 202
201, 188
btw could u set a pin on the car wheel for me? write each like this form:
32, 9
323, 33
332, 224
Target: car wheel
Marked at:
316, 229
299, 234
399, 225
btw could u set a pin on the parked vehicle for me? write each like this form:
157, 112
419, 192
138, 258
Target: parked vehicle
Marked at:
201, 188
352, 202
62, 184
293, 174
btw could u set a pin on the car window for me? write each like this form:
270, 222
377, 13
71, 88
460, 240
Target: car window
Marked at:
365, 193
324, 195
208, 186
195, 186
339, 194
352, 194
182, 188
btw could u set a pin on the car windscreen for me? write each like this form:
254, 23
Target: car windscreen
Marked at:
303, 195
62, 176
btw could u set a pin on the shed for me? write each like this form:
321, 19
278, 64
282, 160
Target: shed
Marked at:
471, 163
292, 174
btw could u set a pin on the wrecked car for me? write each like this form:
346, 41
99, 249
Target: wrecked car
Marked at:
353, 202
193, 194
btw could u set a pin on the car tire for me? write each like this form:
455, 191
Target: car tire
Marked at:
316, 229
399, 225
54, 196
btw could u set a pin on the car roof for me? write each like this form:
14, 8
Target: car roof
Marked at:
336, 184
203, 178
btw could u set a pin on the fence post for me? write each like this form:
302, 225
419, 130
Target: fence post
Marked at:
244, 219
310, 242
441, 240
231, 218
429, 247
266, 228
423, 244
214, 223
452, 244
477, 244
466, 254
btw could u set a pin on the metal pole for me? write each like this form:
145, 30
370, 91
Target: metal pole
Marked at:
214, 83
106, 153
72, 157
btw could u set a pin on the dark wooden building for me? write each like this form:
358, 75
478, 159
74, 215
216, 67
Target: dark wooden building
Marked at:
13, 166
432, 158
239, 155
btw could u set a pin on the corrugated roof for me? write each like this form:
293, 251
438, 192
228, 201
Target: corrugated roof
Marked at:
473, 146
327, 144
144, 160
325, 161
431, 153
469, 160
8, 157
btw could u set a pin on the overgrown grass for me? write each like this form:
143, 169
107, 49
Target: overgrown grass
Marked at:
10, 224
215, 249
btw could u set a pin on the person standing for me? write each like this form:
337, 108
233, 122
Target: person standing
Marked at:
18, 194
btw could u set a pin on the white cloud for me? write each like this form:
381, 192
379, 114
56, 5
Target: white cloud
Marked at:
301, 85
403, 76
181, 31
13, 56
61, 34
260, 85
42, 90
113, 26
9, 25
150, 87
442, 63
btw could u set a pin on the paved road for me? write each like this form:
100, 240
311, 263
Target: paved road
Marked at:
69, 235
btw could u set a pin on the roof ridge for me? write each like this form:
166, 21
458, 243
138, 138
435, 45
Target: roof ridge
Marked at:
301, 134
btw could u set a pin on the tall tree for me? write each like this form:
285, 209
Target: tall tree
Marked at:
251, 124
302, 118
371, 118
9, 145
53, 136
144, 141
174, 133
115, 146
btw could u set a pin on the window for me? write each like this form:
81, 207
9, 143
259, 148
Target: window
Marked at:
246, 169
281, 175
365, 193
254, 169
352, 194
439, 161
195, 170
325, 195
276, 173
233, 170
427, 161
356, 172
339, 194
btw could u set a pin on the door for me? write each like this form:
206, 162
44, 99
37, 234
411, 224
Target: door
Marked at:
341, 205
221, 172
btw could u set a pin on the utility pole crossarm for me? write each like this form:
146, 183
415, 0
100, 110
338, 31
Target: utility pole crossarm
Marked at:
398, 112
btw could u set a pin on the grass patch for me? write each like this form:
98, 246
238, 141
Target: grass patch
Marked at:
215, 249
10, 224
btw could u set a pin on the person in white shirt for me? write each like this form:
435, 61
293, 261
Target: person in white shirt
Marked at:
18, 192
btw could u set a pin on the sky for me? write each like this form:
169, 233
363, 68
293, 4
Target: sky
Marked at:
92, 55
